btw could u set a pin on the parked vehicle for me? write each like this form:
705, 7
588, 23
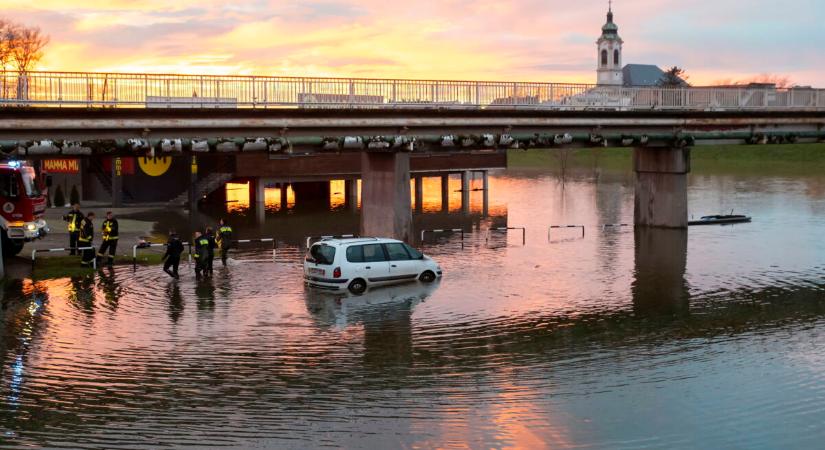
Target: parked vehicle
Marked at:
22, 205
358, 263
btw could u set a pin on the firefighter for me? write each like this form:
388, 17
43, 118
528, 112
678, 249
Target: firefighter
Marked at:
224, 240
210, 254
73, 217
174, 248
109, 233
201, 253
87, 234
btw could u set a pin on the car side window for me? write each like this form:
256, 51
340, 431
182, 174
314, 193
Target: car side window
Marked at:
355, 254
397, 252
374, 253
414, 254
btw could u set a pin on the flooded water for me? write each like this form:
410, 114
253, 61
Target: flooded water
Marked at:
710, 338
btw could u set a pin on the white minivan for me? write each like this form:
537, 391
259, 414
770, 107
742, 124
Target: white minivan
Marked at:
358, 263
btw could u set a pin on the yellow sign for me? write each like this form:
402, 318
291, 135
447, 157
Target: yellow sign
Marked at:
118, 167
61, 165
155, 167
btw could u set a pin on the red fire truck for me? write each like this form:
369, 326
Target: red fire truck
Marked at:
22, 205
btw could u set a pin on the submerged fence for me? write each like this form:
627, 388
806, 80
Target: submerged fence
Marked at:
66, 89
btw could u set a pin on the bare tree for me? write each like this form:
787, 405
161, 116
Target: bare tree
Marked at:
780, 81
8, 37
28, 48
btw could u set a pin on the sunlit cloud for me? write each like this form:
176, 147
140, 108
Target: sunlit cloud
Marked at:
531, 40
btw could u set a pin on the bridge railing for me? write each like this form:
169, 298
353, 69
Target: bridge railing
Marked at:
65, 89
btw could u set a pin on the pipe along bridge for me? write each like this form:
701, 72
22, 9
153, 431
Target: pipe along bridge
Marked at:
386, 138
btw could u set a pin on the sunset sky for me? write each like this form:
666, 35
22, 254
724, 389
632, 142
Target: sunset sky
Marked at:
525, 40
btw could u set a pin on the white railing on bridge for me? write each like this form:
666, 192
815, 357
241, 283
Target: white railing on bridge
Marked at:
64, 89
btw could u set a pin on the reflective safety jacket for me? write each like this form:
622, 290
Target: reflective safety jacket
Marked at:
224, 236
74, 218
110, 230
87, 232
201, 247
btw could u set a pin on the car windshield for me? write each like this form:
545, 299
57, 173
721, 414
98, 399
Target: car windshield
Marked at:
321, 254
29, 182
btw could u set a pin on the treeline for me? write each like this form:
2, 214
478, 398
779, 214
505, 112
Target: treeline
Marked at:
21, 46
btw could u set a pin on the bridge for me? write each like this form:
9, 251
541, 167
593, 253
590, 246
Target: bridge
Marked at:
387, 121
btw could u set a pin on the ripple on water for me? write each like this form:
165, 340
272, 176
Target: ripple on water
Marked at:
552, 343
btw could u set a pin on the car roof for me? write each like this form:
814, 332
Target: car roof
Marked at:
358, 240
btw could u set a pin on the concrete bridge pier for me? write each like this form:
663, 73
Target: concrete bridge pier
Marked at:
260, 200
445, 193
351, 194
284, 196
385, 195
485, 180
661, 187
419, 194
465, 191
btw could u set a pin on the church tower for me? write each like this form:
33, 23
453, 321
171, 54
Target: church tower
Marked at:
609, 69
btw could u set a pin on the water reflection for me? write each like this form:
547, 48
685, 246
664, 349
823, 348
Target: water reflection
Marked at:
176, 303
659, 286
575, 343
82, 293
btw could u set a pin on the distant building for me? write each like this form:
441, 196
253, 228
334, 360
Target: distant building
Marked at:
608, 71
645, 75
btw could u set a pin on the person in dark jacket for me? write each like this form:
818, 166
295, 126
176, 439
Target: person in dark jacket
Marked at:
201, 253
171, 259
224, 240
87, 234
110, 234
73, 218
210, 255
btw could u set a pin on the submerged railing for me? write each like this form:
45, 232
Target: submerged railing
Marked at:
66, 89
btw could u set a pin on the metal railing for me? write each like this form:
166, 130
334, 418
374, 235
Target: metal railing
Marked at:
66, 89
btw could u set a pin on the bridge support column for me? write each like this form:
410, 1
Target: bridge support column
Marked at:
193, 193
419, 193
486, 200
117, 182
351, 194
385, 195
445, 193
284, 195
661, 187
465, 191
260, 200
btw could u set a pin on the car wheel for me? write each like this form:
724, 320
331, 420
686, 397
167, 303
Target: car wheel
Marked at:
427, 277
357, 286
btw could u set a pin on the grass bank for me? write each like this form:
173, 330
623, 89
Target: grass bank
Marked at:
69, 266
790, 158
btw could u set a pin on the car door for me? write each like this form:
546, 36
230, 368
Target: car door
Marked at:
369, 262
402, 266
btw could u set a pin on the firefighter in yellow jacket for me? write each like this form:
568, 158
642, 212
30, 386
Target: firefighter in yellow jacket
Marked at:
87, 234
73, 217
223, 237
201, 254
110, 234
